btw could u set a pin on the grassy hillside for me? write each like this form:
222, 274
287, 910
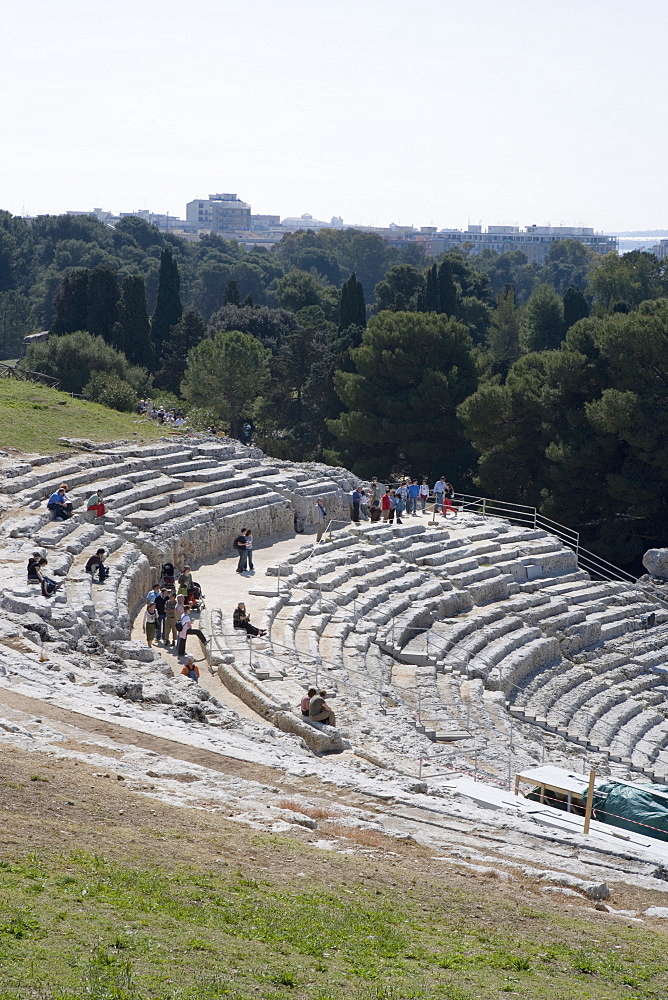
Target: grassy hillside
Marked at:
109, 894
33, 417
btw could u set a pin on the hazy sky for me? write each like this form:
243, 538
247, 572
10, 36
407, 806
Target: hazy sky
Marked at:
430, 112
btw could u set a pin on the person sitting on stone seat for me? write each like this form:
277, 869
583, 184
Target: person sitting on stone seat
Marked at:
190, 669
96, 505
96, 565
33, 563
306, 701
60, 504
241, 619
36, 574
319, 710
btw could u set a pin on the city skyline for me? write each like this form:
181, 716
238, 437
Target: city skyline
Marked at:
442, 115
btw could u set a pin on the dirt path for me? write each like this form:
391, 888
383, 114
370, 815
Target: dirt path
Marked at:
130, 737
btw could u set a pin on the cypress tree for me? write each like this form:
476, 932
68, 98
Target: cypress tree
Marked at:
447, 290
231, 296
503, 336
132, 330
103, 295
168, 308
188, 333
352, 307
431, 300
360, 319
575, 306
71, 302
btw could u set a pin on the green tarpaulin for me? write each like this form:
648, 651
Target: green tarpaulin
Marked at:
641, 809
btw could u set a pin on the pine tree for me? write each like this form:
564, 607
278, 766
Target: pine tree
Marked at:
72, 302
248, 301
188, 333
103, 296
168, 308
575, 306
132, 330
447, 290
231, 296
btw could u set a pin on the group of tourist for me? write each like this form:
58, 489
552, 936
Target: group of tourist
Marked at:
147, 408
37, 572
61, 507
379, 502
167, 617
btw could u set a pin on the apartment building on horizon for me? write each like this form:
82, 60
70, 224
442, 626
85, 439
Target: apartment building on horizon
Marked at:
227, 215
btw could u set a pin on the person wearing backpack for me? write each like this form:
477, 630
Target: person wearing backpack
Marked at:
186, 629
239, 544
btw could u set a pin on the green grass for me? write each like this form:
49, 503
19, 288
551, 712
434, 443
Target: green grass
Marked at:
82, 926
33, 417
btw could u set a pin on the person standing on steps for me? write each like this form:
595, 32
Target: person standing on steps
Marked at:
375, 490
249, 550
399, 506
424, 495
448, 497
185, 582
439, 490
239, 544
386, 505
413, 494
160, 603
150, 624
356, 497
171, 633
321, 519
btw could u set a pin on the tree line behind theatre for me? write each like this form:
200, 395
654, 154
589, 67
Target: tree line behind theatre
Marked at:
538, 384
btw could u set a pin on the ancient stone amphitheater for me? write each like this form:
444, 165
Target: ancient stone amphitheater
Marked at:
469, 641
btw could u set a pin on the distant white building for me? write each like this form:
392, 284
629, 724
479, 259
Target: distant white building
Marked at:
534, 241
219, 213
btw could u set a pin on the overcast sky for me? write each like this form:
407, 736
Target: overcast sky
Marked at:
428, 112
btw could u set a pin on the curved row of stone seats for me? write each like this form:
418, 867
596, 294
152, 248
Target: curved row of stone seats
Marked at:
476, 559
607, 702
301, 484
92, 469
252, 688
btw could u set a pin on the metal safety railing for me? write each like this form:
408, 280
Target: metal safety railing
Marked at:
527, 516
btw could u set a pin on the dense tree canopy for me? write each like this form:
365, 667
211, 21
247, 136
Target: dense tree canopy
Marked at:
557, 369
412, 370
226, 375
